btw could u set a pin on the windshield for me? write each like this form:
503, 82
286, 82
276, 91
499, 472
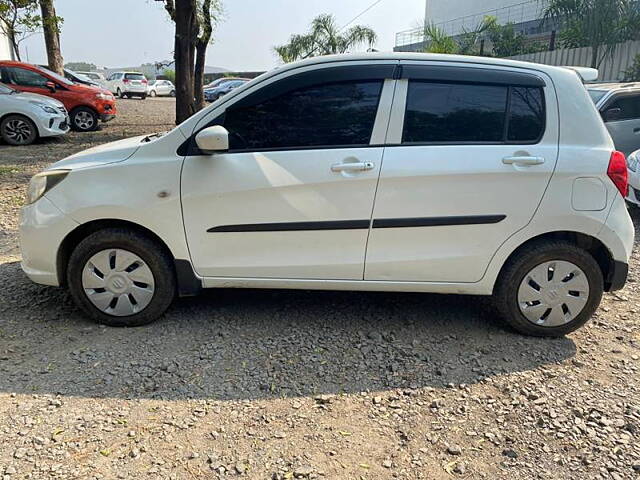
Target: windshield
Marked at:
4, 90
58, 78
596, 95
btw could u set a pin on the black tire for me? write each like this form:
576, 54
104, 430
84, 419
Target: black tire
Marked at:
84, 119
153, 93
18, 130
153, 254
173, 93
143, 97
119, 93
513, 273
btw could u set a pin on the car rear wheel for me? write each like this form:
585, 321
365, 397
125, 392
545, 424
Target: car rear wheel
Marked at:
173, 93
121, 278
18, 130
153, 93
143, 97
119, 94
549, 290
84, 119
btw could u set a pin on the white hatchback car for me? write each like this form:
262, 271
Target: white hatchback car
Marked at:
387, 172
25, 117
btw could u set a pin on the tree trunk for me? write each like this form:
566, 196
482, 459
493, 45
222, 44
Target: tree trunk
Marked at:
201, 54
51, 36
185, 44
595, 51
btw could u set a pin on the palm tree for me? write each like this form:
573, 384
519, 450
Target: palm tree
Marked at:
325, 38
599, 24
467, 43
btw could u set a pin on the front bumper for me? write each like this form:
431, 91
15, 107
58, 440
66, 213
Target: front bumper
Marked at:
43, 227
53, 126
106, 109
105, 117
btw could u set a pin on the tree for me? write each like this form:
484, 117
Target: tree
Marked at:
325, 38
51, 25
599, 24
18, 19
467, 43
506, 42
194, 21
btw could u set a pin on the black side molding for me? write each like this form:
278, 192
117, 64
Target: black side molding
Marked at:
361, 224
437, 221
189, 285
617, 277
461, 74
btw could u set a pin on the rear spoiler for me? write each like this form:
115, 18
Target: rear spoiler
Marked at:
585, 73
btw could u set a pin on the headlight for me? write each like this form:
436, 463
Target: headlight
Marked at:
104, 96
632, 162
45, 107
42, 183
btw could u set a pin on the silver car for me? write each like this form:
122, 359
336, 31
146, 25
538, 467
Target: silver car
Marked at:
619, 106
161, 88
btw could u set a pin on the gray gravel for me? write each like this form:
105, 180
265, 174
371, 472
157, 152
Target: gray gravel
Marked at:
281, 385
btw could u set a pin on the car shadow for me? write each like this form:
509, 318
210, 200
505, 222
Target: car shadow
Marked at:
244, 344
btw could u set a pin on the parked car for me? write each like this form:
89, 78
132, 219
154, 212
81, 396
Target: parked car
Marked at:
95, 77
25, 117
619, 106
87, 105
212, 94
128, 84
161, 88
77, 77
499, 178
633, 164
220, 81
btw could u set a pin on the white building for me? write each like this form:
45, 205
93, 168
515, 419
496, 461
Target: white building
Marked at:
6, 52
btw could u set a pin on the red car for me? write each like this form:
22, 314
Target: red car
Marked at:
86, 105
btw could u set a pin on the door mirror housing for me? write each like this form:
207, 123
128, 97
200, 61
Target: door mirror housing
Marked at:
612, 114
213, 139
51, 86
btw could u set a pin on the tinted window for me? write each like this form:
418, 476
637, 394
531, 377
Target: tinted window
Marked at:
27, 78
442, 112
629, 106
134, 76
596, 95
338, 114
526, 114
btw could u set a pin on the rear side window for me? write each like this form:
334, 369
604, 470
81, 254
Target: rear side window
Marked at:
328, 115
629, 106
473, 113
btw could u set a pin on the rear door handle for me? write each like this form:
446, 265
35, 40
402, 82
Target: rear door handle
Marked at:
523, 161
353, 167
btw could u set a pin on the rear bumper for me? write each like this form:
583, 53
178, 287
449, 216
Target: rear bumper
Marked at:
106, 117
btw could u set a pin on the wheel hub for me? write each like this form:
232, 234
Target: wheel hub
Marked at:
553, 293
118, 282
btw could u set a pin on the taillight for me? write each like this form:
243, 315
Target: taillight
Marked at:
618, 173
145, 81
126, 80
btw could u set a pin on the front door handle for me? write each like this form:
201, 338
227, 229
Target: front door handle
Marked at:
523, 161
353, 167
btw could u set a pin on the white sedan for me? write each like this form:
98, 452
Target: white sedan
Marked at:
28, 116
161, 88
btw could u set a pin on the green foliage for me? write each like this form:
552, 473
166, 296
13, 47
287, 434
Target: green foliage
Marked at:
170, 75
632, 74
600, 24
80, 66
19, 19
325, 38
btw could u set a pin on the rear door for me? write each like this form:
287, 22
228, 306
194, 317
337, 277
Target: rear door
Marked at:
467, 167
625, 129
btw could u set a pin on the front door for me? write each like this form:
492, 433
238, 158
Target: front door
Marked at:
293, 196
474, 154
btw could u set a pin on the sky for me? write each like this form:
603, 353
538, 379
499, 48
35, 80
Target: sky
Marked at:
119, 33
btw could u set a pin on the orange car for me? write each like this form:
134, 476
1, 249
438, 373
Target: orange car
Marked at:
86, 105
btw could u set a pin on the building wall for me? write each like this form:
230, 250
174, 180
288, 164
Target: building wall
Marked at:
438, 11
5, 49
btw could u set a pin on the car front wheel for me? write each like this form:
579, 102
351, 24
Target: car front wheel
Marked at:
550, 289
121, 278
18, 130
83, 119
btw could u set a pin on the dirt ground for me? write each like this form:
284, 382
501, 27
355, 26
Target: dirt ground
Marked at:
280, 385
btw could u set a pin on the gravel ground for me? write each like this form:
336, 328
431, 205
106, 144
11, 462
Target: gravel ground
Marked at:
281, 385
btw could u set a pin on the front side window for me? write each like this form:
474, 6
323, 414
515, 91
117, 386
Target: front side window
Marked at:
629, 106
26, 78
472, 113
328, 115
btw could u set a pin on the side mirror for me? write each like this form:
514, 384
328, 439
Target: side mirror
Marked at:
213, 139
51, 86
612, 114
